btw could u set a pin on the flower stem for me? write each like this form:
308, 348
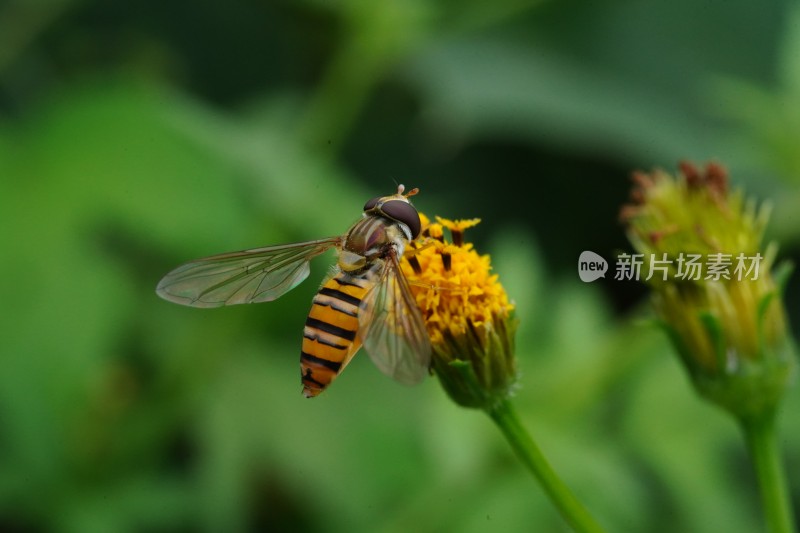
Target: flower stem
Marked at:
526, 449
761, 437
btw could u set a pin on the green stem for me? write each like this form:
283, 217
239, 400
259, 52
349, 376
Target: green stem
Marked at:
530, 454
761, 437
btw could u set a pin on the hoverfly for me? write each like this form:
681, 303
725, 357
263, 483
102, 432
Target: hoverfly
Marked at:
366, 301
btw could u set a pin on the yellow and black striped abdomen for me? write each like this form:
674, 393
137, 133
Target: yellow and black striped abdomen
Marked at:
330, 338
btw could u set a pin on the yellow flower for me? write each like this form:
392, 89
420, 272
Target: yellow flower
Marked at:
467, 313
726, 317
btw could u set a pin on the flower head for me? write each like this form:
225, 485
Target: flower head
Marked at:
467, 313
714, 290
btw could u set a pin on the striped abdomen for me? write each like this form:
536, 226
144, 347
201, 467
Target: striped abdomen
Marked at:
330, 338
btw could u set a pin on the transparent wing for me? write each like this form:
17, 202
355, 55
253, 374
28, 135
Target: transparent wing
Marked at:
258, 275
392, 329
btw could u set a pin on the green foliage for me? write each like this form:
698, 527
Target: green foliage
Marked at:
119, 160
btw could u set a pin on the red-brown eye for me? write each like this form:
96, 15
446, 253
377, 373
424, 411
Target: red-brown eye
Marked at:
372, 203
403, 212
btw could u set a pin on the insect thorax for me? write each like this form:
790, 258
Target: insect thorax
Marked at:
372, 237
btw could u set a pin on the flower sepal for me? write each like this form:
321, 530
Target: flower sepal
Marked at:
477, 369
747, 388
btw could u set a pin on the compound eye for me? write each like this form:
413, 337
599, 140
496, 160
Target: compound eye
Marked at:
372, 203
403, 212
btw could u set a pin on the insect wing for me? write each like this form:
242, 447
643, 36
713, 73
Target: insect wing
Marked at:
392, 329
257, 275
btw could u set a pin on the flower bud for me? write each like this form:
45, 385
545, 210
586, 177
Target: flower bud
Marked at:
713, 284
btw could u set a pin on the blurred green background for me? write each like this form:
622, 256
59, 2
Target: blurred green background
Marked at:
137, 135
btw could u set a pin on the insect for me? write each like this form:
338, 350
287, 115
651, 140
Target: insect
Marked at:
366, 301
